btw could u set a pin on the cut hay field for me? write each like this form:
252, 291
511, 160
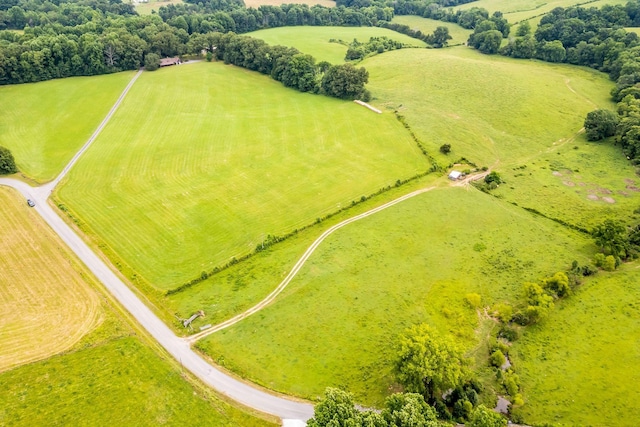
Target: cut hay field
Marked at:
203, 161
68, 356
581, 366
44, 124
315, 40
492, 110
46, 305
427, 26
111, 377
337, 322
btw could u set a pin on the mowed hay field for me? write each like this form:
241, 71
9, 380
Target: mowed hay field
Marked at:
46, 305
580, 367
111, 377
495, 111
315, 40
427, 26
339, 320
203, 161
44, 124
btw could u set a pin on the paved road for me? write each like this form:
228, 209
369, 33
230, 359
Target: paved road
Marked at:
292, 412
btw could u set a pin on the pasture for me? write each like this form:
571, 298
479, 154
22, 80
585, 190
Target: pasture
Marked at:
516, 11
243, 285
315, 40
338, 321
153, 5
177, 185
45, 123
46, 305
494, 111
118, 380
427, 26
579, 182
581, 366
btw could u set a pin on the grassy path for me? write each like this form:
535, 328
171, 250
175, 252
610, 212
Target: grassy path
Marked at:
305, 256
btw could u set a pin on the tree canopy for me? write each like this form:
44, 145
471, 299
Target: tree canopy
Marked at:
428, 363
7, 162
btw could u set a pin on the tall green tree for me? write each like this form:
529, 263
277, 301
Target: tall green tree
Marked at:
485, 417
440, 37
428, 363
612, 238
409, 410
600, 124
335, 410
7, 162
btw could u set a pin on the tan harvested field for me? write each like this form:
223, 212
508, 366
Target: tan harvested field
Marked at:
46, 305
257, 3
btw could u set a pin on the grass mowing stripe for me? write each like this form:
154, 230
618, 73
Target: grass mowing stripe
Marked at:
259, 168
45, 123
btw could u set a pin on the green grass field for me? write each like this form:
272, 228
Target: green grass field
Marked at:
121, 381
518, 10
579, 182
492, 110
179, 184
581, 366
153, 5
337, 323
315, 40
427, 26
44, 124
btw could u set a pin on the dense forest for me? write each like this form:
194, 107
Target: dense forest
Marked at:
88, 37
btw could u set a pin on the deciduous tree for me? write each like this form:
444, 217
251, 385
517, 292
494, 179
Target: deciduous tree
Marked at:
7, 162
428, 363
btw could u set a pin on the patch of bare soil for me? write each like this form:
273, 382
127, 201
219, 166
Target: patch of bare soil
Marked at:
608, 199
569, 183
593, 197
556, 173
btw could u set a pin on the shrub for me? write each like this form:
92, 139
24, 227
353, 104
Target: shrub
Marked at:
445, 148
497, 359
474, 300
609, 263
508, 333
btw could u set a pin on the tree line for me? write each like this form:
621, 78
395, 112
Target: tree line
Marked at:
289, 66
90, 37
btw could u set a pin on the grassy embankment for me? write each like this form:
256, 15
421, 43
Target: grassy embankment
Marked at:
44, 124
337, 323
315, 40
69, 356
192, 181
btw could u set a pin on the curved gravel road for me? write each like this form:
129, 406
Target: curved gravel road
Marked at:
292, 412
